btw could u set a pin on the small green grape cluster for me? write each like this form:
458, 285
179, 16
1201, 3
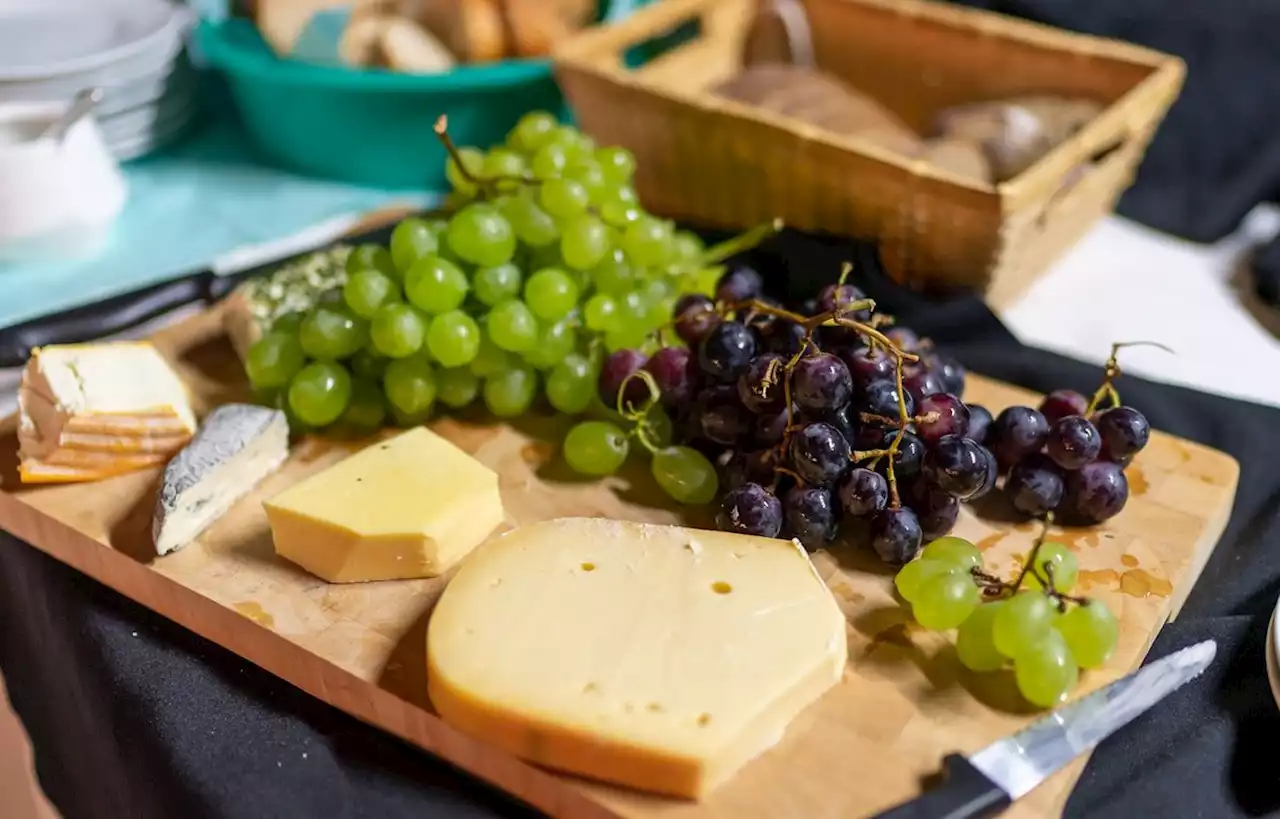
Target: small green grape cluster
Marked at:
1047, 636
547, 261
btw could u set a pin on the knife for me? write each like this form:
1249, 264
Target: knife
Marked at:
990, 780
208, 285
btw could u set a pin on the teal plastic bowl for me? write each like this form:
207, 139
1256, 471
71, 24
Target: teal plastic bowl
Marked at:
368, 126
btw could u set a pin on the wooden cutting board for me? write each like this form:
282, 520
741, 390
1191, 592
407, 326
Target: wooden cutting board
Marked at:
865, 745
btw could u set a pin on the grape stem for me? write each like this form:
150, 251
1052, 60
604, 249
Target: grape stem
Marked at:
486, 185
995, 588
643, 429
745, 241
1111, 371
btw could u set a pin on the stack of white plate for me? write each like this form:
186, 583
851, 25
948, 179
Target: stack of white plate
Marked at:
132, 49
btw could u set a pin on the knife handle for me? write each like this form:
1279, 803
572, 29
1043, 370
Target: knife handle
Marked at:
966, 793
103, 318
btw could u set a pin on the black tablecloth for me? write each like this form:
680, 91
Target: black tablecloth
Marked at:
132, 716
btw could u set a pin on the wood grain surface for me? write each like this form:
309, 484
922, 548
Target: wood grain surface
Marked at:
865, 745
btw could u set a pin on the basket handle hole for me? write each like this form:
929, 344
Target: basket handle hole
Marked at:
664, 42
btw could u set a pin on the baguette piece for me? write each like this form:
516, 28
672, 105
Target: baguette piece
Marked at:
407, 46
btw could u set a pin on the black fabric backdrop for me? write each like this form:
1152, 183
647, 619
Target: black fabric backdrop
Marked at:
132, 716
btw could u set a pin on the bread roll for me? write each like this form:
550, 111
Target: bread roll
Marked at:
408, 47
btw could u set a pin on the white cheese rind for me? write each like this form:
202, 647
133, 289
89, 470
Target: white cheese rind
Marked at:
237, 446
657, 657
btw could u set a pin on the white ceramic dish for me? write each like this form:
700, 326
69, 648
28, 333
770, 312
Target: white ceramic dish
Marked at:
58, 199
40, 39
1273, 656
144, 119
162, 137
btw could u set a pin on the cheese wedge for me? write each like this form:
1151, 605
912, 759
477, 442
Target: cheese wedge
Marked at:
237, 446
657, 657
31, 442
410, 506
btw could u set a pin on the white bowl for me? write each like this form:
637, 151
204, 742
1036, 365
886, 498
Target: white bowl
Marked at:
41, 39
58, 199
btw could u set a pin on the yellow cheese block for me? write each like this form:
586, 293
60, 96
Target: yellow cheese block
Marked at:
411, 506
656, 657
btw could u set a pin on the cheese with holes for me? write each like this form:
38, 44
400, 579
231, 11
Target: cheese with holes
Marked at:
94, 410
410, 506
656, 657
237, 446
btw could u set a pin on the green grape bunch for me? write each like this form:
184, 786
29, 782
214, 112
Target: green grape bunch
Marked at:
1031, 624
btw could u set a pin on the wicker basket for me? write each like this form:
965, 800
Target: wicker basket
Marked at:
720, 163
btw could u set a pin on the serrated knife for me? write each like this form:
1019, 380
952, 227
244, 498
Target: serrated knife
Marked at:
989, 781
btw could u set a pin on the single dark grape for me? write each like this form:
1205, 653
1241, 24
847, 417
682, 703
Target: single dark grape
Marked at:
782, 337
895, 535
948, 369
617, 368
739, 284
1124, 431
821, 382
760, 387
953, 417
992, 474
979, 422
1096, 492
1014, 433
839, 297
903, 338
867, 365
863, 492
936, 510
810, 514
750, 509
769, 428
819, 454
727, 350
921, 383
881, 398
1061, 403
725, 422
911, 449
1035, 485
842, 419
1073, 442
694, 316
670, 370
956, 465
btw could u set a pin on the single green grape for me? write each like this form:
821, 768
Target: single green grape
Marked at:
945, 600
1022, 621
587, 172
686, 246
551, 294
634, 310
533, 225
510, 392
397, 330
290, 322
555, 341
647, 242
368, 364
685, 474
618, 164
501, 162
600, 313
619, 214
1091, 632
625, 337
319, 392
563, 198
434, 285
496, 284
571, 385
367, 289
365, 410
584, 241
532, 131
274, 360
512, 326
613, 275
596, 448
457, 386
453, 338
328, 334
568, 137
411, 241
549, 161
490, 358
1065, 567
975, 642
410, 384
1045, 671
371, 257
955, 550
480, 235
913, 575
472, 163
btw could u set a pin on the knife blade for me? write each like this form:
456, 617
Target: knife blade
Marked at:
989, 781
208, 285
